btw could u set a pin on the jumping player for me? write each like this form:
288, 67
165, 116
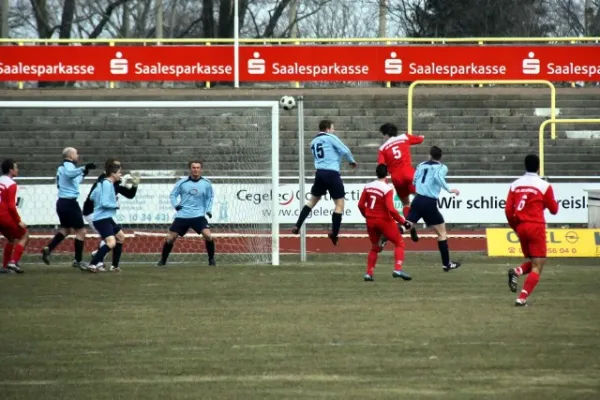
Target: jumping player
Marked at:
376, 204
430, 179
192, 197
395, 154
11, 226
328, 151
527, 198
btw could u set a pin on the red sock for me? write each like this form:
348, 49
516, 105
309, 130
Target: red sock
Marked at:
398, 258
8, 249
532, 280
371, 261
524, 269
405, 211
17, 253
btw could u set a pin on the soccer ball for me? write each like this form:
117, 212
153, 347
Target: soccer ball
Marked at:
287, 103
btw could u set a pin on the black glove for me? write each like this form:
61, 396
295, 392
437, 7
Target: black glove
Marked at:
90, 166
178, 208
404, 227
407, 225
209, 215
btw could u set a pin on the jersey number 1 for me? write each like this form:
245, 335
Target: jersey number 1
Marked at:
317, 150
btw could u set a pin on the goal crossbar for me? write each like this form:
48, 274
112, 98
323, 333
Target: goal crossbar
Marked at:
273, 105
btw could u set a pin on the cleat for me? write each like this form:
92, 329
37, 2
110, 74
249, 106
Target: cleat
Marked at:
513, 280
161, 264
46, 255
368, 278
14, 268
520, 303
114, 269
295, 230
451, 265
100, 268
100, 264
401, 274
83, 266
90, 268
382, 241
413, 235
212, 262
334, 238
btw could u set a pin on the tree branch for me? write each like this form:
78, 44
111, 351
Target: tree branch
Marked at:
106, 17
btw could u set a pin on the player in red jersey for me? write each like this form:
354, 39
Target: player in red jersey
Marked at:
395, 154
527, 199
376, 204
11, 226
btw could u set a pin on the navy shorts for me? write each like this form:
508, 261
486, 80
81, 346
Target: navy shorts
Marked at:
426, 208
328, 181
107, 227
182, 225
69, 213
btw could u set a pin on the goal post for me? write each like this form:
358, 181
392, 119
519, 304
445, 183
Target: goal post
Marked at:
241, 138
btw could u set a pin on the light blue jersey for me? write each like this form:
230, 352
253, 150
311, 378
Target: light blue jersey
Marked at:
105, 200
195, 197
328, 151
68, 178
430, 179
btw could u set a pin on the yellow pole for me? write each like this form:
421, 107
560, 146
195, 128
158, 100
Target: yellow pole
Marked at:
297, 83
207, 84
388, 84
111, 84
20, 84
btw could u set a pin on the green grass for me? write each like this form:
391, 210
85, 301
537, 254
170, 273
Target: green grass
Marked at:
314, 331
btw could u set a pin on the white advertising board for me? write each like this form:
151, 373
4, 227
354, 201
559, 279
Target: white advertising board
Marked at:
251, 203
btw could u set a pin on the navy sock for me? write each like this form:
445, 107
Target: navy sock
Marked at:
303, 215
166, 250
210, 249
59, 237
78, 250
444, 252
99, 256
117, 251
336, 220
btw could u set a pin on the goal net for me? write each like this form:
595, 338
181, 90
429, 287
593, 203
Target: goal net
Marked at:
237, 141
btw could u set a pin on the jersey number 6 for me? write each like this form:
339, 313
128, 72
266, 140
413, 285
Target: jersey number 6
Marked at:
317, 150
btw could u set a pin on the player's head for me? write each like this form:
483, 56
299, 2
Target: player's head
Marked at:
113, 171
112, 161
435, 153
10, 168
388, 130
381, 171
70, 153
326, 126
532, 163
195, 167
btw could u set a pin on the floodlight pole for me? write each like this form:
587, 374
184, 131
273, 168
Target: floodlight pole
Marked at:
236, 44
301, 173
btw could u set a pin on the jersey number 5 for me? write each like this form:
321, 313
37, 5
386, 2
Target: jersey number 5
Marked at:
521, 204
317, 150
397, 152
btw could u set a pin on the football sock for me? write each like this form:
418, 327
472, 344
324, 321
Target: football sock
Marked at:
17, 253
78, 250
371, 261
8, 249
524, 269
210, 249
99, 256
59, 237
405, 211
444, 252
116, 257
303, 215
398, 258
336, 221
530, 283
102, 243
166, 250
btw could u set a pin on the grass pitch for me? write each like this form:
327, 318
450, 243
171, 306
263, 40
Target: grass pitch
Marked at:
313, 331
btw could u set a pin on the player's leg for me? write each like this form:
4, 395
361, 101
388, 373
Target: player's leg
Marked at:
374, 237
63, 212
90, 220
391, 231
535, 235
523, 269
442, 239
78, 226
338, 193
8, 247
106, 230
118, 250
201, 227
18, 249
404, 188
318, 189
178, 228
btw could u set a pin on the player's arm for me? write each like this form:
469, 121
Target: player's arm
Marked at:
127, 192
175, 195
418, 175
342, 149
389, 205
509, 209
210, 197
380, 157
413, 140
107, 197
550, 201
440, 177
71, 171
362, 203
11, 205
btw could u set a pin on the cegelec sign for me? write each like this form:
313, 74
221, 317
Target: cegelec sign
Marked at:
300, 63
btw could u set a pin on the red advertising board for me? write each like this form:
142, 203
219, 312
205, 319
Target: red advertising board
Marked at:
299, 63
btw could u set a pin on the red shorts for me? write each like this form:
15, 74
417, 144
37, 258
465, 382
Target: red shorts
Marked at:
403, 183
11, 231
388, 228
533, 239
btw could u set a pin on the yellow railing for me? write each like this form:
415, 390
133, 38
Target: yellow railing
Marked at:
554, 122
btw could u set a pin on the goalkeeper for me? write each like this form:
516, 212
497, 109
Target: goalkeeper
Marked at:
120, 188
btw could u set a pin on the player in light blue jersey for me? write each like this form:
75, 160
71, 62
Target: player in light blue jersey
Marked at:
429, 180
105, 209
193, 198
328, 152
68, 178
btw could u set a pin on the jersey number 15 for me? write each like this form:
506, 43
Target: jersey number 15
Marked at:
317, 150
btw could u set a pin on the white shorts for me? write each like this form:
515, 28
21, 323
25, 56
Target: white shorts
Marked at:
90, 221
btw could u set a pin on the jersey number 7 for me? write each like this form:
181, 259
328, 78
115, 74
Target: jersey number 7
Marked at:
317, 150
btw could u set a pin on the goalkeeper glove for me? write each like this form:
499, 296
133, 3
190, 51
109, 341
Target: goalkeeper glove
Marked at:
405, 226
135, 180
178, 208
209, 214
90, 166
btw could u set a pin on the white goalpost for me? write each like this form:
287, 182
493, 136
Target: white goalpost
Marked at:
238, 141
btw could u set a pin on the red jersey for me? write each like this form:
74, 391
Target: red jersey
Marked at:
377, 202
528, 197
395, 152
8, 200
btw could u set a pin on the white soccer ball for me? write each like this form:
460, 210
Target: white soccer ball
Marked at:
287, 103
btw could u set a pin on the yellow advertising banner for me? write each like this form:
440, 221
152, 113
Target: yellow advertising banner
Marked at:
502, 242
